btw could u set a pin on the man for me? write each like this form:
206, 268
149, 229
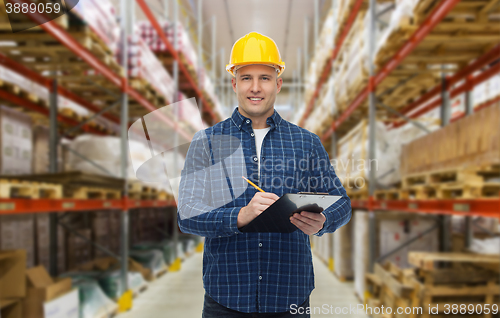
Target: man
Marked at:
257, 274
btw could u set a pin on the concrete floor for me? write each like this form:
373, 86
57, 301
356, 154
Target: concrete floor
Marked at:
180, 294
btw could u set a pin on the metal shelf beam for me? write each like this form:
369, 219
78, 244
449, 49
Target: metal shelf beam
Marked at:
461, 207
23, 206
29, 105
46, 82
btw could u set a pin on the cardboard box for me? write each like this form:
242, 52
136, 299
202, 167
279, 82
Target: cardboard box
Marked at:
15, 142
41, 161
16, 232
66, 306
12, 274
42, 288
11, 308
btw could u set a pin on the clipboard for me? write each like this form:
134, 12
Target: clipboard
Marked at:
276, 218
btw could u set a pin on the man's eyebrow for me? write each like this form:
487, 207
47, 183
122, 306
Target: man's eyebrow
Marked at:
257, 75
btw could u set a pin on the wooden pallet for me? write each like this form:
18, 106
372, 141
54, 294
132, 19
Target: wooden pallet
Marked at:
148, 91
423, 288
427, 261
91, 193
389, 194
11, 188
451, 183
161, 272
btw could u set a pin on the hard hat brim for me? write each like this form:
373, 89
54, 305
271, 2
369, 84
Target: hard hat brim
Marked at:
231, 68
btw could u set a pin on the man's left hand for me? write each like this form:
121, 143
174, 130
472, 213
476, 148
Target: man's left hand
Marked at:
308, 222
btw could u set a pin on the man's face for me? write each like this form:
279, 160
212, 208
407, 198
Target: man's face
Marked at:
256, 87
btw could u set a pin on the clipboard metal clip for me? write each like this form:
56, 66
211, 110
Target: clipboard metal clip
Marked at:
314, 193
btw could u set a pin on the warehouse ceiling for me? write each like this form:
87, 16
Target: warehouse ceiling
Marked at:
282, 20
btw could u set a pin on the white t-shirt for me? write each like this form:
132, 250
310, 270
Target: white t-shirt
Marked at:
259, 138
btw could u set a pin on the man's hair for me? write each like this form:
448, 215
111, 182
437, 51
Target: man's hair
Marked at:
236, 71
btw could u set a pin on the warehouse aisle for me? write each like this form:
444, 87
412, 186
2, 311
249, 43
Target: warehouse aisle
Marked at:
175, 294
180, 294
331, 294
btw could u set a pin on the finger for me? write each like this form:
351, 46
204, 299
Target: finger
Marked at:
313, 216
267, 195
312, 222
264, 201
304, 227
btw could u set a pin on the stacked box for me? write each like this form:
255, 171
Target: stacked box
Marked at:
15, 142
13, 277
470, 142
16, 232
43, 240
184, 45
101, 17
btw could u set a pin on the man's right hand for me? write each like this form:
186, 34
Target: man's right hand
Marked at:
259, 202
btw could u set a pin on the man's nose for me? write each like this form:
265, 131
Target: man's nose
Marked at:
255, 86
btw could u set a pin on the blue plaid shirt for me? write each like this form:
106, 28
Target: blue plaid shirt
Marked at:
259, 272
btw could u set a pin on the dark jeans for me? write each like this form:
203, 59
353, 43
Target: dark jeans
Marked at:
212, 309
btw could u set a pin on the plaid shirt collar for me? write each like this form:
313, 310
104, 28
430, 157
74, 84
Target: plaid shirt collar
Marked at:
242, 122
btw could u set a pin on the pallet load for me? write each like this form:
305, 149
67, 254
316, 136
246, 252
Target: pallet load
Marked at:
15, 142
461, 160
184, 45
322, 52
352, 165
147, 75
466, 284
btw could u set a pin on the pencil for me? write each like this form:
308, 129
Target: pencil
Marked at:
253, 184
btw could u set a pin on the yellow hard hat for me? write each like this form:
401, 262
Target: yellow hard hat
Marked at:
255, 48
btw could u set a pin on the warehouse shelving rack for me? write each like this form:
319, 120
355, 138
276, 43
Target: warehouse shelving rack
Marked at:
21, 206
445, 207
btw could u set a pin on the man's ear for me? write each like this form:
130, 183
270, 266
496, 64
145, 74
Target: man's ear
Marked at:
279, 82
233, 83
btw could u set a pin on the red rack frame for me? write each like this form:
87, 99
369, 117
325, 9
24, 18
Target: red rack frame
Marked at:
438, 14
22, 206
461, 207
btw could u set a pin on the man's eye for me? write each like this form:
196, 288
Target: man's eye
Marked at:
265, 78
245, 78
